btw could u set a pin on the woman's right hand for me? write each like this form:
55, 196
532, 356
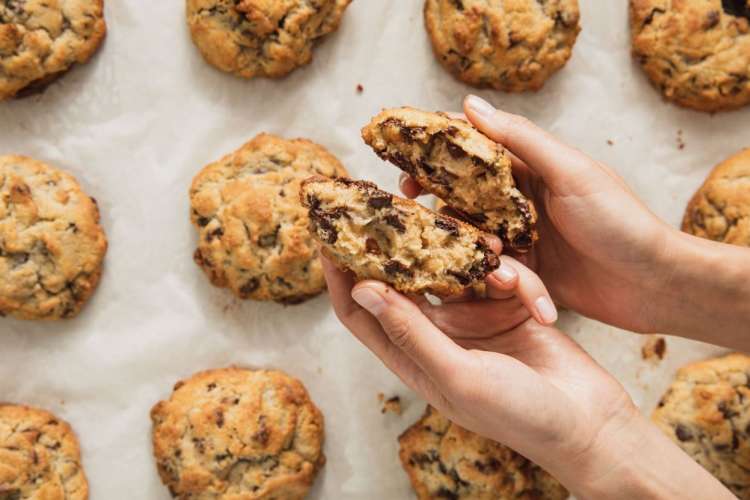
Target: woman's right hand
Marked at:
601, 251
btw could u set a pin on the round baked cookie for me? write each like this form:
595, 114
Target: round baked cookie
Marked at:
235, 434
42, 40
509, 45
696, 52
51, 244
444, 460
720, 210
706, 411
261, 37
39, 456
252, 228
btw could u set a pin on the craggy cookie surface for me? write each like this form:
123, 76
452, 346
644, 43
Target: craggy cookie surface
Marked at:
510, 45
41, 40
696, 52
261, 37
252, 229
234, 434
454, 161
720, 210
380, 236
39, 457
443, 460
706, 411
51, 244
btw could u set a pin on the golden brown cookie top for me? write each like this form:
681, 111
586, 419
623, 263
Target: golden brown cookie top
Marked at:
457, 163
51, 243
696, 52
444, 460
39, 456
510, 45
720, 210
706, 411
238, 434
252, 229
261, 37
39, 40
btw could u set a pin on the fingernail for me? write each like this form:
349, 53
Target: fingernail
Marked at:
480, 106
401, 180
506, 274
546, 310
369, 299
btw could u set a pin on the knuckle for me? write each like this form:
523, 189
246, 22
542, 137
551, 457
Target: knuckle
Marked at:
399, 331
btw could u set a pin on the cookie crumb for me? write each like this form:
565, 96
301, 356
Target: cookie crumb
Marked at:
610, 142
654, 348
360, 88
680, 140
392, 405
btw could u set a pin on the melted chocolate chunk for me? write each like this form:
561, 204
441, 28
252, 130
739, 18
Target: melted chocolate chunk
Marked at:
447, 225
393, 221
737, 8
372, 247
380, 200
394, 267
683, 433
455, 151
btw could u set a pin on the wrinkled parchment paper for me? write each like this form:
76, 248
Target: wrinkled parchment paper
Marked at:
147, 113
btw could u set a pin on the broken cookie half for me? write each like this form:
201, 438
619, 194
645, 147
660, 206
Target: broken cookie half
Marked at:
380, 236
457, 163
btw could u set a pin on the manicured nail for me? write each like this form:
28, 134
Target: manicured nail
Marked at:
402, 180
369, 299
506, 274
480, 106
546, 310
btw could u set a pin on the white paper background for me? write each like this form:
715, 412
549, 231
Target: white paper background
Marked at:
147, 113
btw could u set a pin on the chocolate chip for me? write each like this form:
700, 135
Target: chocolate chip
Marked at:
400, 161
462, 277
443, 492
372, 247
262, 435
394, 221
411, 134
683, 433
203, 221
489, 467
72, 227
219, 418
447, 225
216, 233
522, 241
737, 8
712, 20
249, 287
269, 240
380, 200
210, 387
455, 151
651, 15
394, 267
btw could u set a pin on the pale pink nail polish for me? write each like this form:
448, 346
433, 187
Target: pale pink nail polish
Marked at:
480, 106
369, 299
506, 274
546, 310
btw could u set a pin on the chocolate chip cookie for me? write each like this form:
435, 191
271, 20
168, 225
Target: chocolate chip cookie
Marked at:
443, 460
454, 161
509, 45
51, 244
39, 456
252, 229
720, 210
238, 434
706, 411
696, 52
40, 41
261, 37
380, 236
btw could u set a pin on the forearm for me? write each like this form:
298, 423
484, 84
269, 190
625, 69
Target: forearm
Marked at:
707, 292
638, 461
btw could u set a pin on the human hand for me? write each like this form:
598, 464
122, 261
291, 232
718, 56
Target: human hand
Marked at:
489, 367
600, 247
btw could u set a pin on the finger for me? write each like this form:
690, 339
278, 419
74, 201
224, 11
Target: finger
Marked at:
479, 319
513, 277
368, 331
409, 186
410, 330
558, 164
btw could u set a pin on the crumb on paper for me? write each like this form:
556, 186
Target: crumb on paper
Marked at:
680, 140
390, 405
654, 348
360, 88
610, 142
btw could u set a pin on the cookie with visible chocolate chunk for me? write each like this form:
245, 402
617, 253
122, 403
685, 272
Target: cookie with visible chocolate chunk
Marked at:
720, 209
509, 45
41, 41
457, 163
39, 456
51, 244
268, 38
696, 53
252, 229
706, 411
380, 236
233, 433
444, 460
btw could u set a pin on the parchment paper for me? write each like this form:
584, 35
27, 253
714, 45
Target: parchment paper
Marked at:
147, 113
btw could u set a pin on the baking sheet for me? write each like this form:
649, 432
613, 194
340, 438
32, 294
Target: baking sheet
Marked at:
147, 113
